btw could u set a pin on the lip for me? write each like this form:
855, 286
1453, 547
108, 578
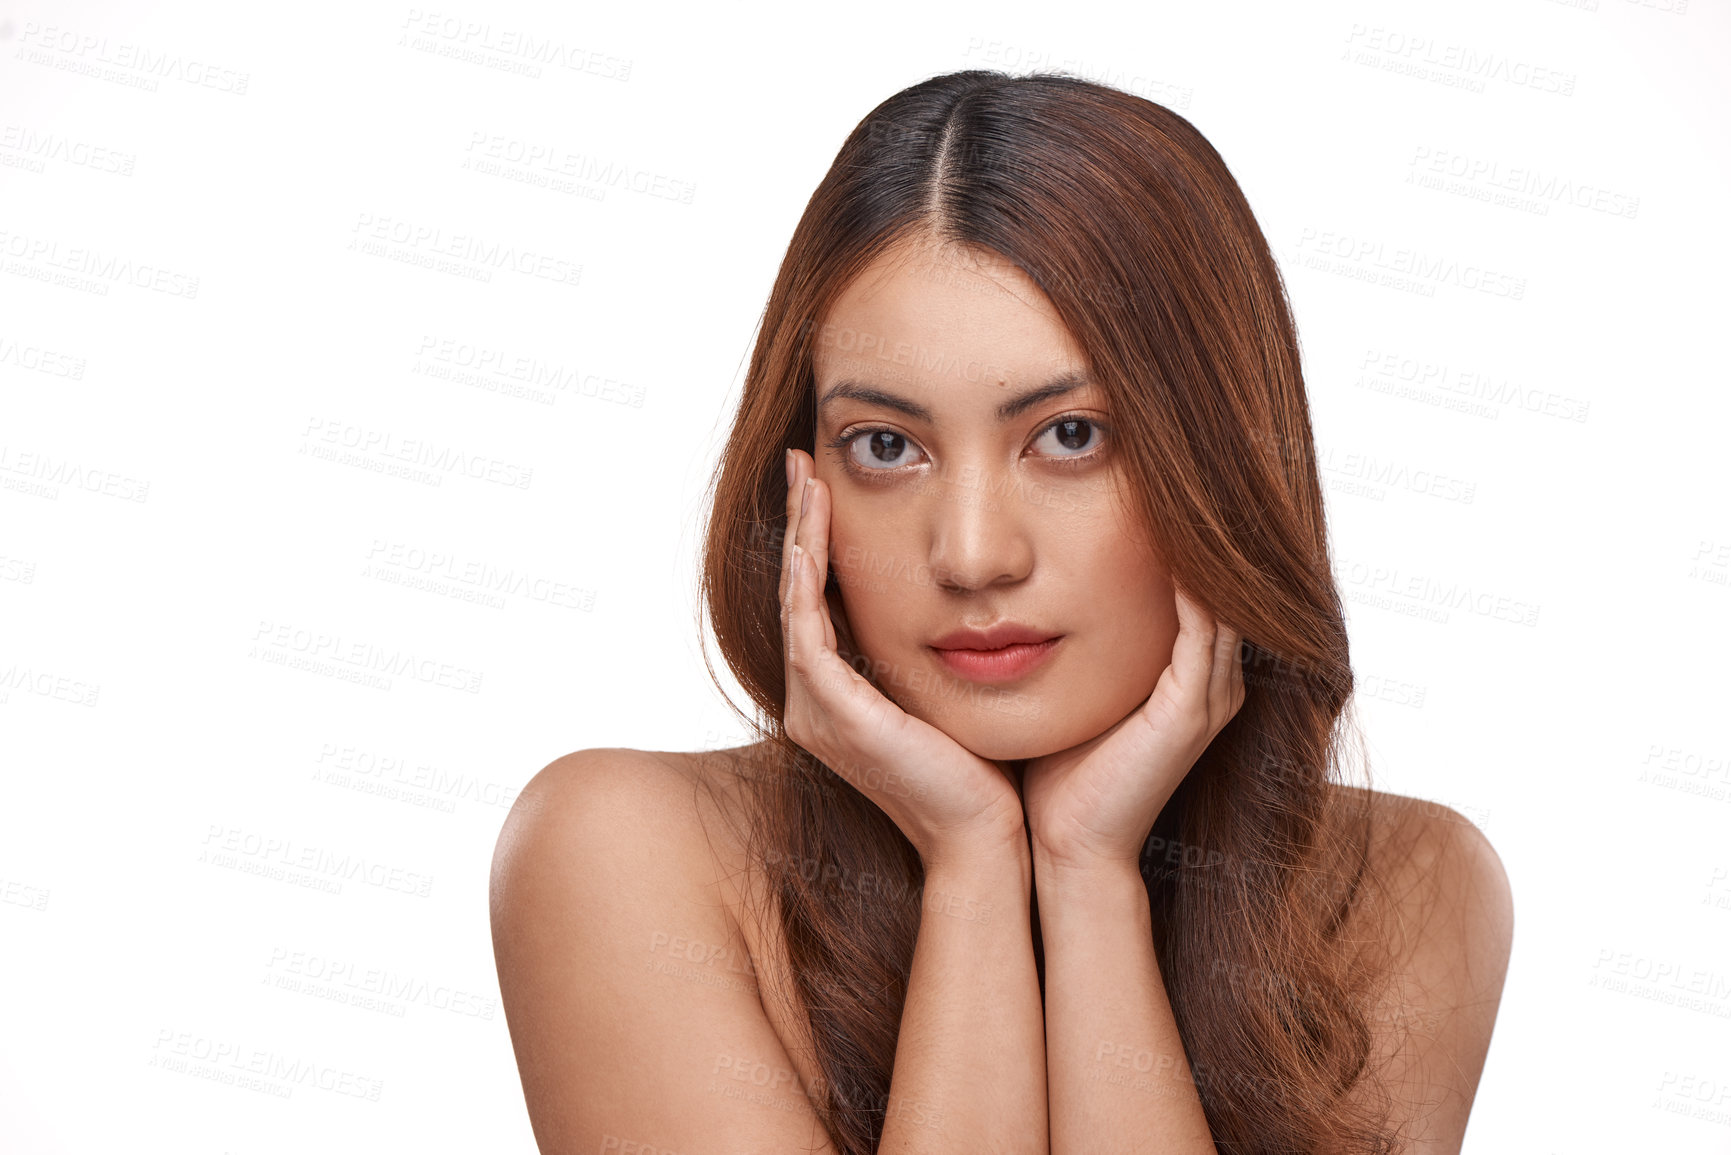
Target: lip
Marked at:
993, 637
1002, 653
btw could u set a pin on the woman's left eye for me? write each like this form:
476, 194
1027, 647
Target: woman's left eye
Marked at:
1069, 437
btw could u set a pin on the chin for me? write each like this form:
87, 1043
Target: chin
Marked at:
1002, 725
993, 744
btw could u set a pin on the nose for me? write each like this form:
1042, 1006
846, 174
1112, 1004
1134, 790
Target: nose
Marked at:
980, 535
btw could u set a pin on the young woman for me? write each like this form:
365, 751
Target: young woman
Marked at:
1019, 549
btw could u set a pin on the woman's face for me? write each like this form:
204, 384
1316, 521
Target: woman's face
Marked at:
961, 501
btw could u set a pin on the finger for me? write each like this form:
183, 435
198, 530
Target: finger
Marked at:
812, 531
1225, 647
814, 546
1238, 687
814, 664
814, 540
791, 512
1193, 651
796, 468
1220, 678
828, 619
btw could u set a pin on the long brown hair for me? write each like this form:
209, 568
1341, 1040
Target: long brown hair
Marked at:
1129, 221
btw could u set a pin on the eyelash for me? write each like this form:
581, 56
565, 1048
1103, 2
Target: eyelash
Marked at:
847, 437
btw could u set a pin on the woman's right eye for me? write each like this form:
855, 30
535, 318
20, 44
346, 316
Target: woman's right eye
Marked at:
879, 450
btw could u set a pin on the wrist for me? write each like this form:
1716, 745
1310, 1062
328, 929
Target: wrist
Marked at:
1070, 864
1072, 859
979, 854
1074, 896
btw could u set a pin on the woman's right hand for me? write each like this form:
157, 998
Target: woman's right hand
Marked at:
948, 801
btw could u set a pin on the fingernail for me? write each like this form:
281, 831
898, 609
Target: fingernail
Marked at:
788, 460
805, 497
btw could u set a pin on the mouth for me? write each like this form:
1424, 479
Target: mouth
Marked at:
1006, 663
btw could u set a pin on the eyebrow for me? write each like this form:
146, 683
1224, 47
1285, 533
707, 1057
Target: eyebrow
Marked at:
1015, 406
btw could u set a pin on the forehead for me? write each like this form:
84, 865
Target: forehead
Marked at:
943, 318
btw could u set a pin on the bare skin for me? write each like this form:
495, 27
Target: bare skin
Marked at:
968, 482
698, 990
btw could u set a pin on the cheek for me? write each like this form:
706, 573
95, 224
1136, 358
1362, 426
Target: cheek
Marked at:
1141, 642
873, 572
1135, 614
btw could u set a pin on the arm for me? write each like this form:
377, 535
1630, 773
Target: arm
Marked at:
631, 999
970, 1072
1449, 926
1117, 1071
1117, 1076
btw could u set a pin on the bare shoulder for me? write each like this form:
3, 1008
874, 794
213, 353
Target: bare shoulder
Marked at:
1443, 870
687, 804
1446, 921
585, 812
628, 989
615, 782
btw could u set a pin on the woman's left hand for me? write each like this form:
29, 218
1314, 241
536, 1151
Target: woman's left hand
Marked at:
1094, 804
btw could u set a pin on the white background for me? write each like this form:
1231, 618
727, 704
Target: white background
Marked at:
189, 582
